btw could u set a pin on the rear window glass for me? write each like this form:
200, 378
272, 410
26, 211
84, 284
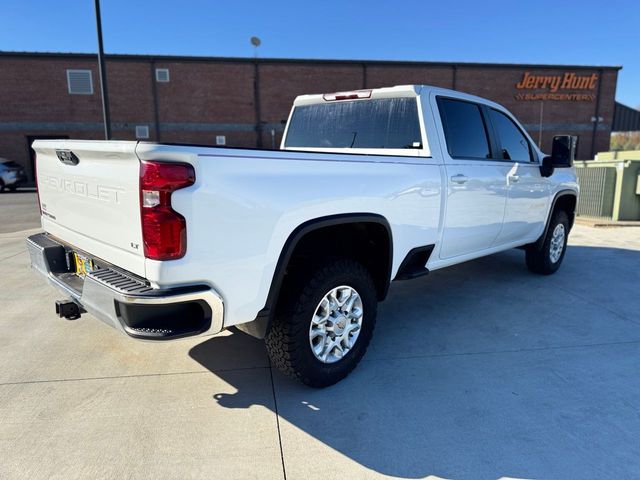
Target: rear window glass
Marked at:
379, 123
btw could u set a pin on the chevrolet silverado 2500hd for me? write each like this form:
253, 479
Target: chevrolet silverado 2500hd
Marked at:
297, 246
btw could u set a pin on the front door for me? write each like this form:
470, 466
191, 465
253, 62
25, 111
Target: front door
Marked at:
527, 200
528, 191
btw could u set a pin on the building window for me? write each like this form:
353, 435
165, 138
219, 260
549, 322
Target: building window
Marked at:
162, 75
221, 140
142, 132
79, 82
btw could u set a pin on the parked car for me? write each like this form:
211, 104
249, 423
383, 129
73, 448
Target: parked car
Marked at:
12, 175
297, 246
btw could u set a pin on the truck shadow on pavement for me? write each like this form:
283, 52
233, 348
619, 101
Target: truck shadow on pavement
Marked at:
482, 370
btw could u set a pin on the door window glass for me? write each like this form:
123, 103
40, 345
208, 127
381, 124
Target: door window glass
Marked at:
515, 146
464, 129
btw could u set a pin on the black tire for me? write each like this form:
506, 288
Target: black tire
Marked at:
12, 188
539, 258
1, 186
288, 339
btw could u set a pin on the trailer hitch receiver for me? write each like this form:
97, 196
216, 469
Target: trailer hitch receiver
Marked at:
68, 309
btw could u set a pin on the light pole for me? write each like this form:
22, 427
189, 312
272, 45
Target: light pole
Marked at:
103, 79
540, 126
255, 41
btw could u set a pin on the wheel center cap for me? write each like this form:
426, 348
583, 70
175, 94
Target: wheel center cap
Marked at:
340, 325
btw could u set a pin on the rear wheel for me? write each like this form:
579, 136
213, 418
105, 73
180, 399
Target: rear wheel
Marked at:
1, 186
548, 258
323, 327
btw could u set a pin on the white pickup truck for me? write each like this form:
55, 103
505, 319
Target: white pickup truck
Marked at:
297, 246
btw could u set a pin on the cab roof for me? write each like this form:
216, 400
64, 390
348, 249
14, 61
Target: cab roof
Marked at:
389, 92
386, 92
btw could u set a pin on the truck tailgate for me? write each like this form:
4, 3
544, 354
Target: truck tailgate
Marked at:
89, 196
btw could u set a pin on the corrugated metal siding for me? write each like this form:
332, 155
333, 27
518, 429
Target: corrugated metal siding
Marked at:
625, 119
597, 191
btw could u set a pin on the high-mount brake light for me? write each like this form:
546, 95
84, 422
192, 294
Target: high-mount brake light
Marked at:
353, 95
164, 231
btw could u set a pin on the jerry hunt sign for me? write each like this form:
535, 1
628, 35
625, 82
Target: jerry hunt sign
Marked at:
566, 87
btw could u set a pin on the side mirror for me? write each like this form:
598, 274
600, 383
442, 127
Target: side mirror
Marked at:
546, 168
563, 152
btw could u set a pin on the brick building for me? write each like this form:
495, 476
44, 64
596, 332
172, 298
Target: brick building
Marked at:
245, 102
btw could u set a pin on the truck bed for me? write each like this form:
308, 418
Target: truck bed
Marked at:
239, 212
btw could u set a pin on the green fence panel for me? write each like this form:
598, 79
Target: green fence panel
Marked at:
597, 191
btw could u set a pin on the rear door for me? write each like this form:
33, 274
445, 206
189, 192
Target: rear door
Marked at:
476, 182
89, 196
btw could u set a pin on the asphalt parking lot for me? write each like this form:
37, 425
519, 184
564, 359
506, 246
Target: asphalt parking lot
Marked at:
479, 371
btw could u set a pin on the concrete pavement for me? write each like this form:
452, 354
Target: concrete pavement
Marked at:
18, 210
479, 371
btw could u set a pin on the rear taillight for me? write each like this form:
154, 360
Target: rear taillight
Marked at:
164, 231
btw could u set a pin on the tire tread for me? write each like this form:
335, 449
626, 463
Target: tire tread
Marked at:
537, 259
285, 339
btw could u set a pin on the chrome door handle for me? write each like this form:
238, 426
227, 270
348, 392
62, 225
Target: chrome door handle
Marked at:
460, 179
514, 178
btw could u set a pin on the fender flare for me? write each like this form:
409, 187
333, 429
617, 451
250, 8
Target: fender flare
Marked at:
259, 327
562, 193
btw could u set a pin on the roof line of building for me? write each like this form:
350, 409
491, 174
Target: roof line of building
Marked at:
181, 58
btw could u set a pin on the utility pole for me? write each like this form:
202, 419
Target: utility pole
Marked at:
103, 76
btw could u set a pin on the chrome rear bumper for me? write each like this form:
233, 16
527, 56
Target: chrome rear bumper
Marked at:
125, 301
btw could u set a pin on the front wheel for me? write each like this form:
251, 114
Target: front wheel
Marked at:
323, 327
548, 258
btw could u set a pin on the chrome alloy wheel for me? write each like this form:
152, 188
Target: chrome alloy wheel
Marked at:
336, 324
557, 243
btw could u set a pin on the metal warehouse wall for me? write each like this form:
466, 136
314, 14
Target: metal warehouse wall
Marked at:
207, 97
625, 119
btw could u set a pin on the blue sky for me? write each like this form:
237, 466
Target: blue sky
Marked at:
574, 32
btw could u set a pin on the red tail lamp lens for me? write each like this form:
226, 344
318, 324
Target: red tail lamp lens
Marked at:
164, 231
